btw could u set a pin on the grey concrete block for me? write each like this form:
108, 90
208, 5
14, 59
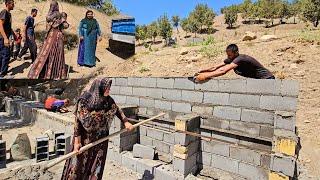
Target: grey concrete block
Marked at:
192, 96
132, 81
183, 83
148, 82
161, 146
264, 86
114, 154
265, 161
144, 152
168, 138
245, 155
147, 102
253, 172
254, 116
128, 161
121, 81
126, 90
246, 128
214, 123
212, 85
224, 163
115, 90
254, 145
202, 110
144, 140
183, 139
143, 130
119, 99
289, 88
285, 165
155, 134
233, 85
132, 100
185, 166
147, 168
266, 131
214, 147
154, 93
285, 120
136, 91
216, 98
165, 83
165, 172
142, 110
229, 113
172, 94
243, 100
181, 107
166, 105
205, 132
205, 158
278, 103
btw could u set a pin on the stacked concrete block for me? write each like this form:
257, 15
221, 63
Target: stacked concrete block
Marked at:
42, 149
144, 152
124, 141
186, 148
3, 154
62, 145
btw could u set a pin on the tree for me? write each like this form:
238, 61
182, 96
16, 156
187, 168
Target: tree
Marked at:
153, 31
141, 32
203, 14
193, 24
165, 27
175, 21
294, 9
231, 15
185, 25
246, 8
257, 10
283, 10
311, 11
269, 10
109, 8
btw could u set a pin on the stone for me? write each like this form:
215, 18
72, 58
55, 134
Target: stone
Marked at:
184, 52
249, 36
21, 148
267, 38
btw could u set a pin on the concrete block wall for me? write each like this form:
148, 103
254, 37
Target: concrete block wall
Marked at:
256, 114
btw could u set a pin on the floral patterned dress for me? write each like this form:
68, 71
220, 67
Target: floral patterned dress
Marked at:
91, 126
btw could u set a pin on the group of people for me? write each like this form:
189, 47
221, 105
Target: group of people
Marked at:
50, 62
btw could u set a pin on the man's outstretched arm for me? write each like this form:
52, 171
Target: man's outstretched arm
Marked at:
213, 68
219, 72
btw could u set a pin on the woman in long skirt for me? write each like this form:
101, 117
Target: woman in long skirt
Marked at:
89, 32
95, 111
50, 63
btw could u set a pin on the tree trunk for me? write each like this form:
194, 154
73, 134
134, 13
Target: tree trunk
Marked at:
294, 19
316, 23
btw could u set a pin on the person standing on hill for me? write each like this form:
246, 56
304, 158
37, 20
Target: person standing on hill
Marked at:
5, 32
29, 37
89, 32
242, 65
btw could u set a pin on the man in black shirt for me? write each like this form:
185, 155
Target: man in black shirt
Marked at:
5, 32
29, 37
242, 65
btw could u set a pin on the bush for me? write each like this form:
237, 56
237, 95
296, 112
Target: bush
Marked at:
309, 36
144, 69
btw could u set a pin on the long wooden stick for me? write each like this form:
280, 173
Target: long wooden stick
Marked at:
88, 146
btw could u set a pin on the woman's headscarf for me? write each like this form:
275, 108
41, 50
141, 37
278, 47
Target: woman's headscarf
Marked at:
94, 97
53, 12
92, 24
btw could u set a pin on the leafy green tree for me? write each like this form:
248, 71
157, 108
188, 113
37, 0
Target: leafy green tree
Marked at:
109, 8
141, 33
283, 10
231, 15
204, 15
175, 21
153, 31
246, 8
165, 27
185, 25
311, 11
294, 9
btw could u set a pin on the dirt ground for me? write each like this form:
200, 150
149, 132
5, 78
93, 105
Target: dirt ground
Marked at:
286, 57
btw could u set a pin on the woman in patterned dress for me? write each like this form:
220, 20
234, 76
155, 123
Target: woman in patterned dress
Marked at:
95, 111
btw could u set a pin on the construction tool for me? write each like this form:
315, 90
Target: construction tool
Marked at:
88, 146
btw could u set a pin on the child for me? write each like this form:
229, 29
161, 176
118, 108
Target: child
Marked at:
57, 105
17, 42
